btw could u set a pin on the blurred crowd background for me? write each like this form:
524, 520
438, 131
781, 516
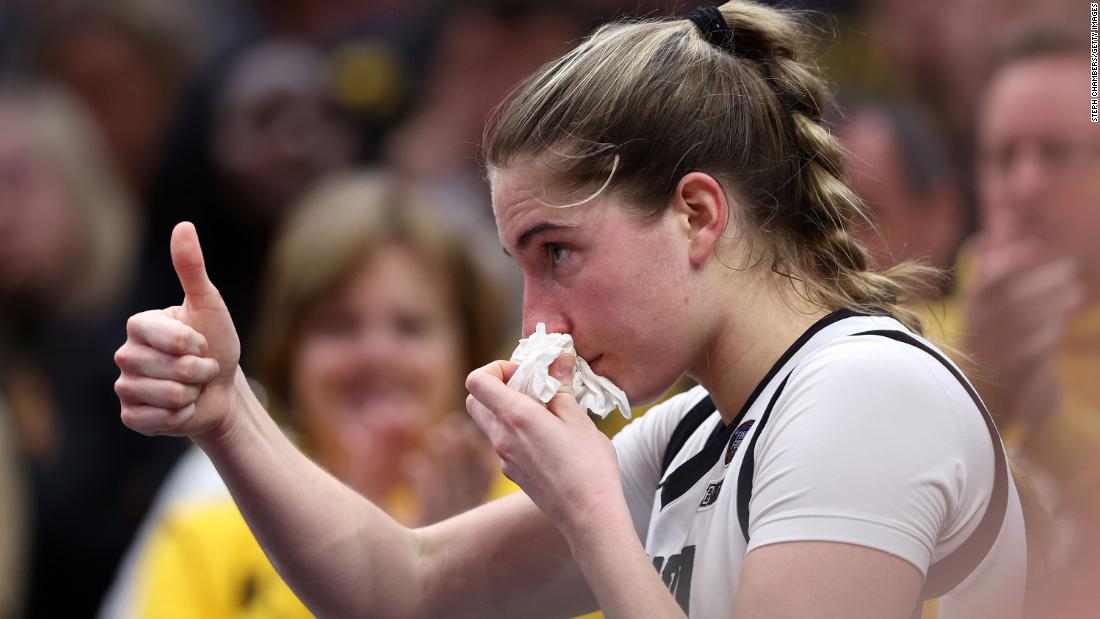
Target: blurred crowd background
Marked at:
328, 152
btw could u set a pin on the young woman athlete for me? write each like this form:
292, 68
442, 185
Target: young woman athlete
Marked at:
676, 205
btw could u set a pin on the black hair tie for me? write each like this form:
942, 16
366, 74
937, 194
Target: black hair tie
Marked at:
713, 26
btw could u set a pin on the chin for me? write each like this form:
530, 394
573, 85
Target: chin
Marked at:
640, 389
642, 394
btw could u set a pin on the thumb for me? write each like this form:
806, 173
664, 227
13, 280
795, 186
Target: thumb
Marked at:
563, 403
191, 268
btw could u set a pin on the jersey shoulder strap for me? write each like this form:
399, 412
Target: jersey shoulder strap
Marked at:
688, 425
949, 572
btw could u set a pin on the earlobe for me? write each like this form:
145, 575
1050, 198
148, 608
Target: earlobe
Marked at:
701, 202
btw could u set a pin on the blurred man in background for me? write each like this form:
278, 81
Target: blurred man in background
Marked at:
898, 166
1030, 292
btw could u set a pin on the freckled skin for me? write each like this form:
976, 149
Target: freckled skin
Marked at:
623, 287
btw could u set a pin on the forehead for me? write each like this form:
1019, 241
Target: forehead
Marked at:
524, 195
1037, 97
392, 271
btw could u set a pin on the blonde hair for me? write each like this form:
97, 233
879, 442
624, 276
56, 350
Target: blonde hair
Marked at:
63, 134
335, 229
639, 104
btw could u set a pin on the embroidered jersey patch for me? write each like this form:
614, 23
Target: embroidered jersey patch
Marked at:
738, 436
711, 496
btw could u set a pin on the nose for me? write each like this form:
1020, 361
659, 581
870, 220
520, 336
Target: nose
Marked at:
375, 347
539, 305
1028, 180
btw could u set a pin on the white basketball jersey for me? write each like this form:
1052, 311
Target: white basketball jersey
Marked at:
866, 440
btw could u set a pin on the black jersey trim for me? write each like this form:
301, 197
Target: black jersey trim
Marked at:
748, 463
692, 470
687, 426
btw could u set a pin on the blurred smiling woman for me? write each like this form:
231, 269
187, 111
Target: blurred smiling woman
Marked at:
372, 317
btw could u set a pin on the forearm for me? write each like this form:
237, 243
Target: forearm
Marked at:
340, 554
618, 570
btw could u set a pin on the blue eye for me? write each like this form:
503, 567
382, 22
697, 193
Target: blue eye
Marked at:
557, 253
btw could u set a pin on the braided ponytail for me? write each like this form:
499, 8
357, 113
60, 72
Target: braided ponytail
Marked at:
640, 104
826, 208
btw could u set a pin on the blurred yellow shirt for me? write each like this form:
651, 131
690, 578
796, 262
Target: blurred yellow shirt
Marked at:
202, 562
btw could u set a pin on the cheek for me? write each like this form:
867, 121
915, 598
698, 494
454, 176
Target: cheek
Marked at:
434, 368
637, 316
319, 366
992, 192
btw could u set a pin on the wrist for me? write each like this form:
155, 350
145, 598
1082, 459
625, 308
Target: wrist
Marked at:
607, 522
239, 404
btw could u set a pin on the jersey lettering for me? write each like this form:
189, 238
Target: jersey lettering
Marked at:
711, 497
677, 575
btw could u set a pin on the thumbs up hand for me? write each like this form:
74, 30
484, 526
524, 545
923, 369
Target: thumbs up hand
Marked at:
180, 365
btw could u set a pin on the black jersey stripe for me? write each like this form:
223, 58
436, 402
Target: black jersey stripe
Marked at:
691, 471
748, 463
687, 426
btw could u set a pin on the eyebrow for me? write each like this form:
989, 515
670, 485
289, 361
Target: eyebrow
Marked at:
525, 238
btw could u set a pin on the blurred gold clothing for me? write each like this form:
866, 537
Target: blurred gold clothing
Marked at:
202, 562
13, 520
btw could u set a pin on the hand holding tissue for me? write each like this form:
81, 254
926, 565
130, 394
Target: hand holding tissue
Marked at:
534, 356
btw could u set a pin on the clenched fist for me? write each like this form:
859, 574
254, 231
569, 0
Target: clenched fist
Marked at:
180, 371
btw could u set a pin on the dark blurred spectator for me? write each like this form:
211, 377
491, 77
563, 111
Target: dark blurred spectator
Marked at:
932, 54
66, 224
277, 129
126, 70
943, 48
439, 145
317, 19
67, 245
897, 164
1030, 292
257, 130
375, 312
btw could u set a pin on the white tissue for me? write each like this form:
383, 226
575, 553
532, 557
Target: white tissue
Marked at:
534, 356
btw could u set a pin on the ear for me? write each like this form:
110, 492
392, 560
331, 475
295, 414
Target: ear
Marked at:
699, 203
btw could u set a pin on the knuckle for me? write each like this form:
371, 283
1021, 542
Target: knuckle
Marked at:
187, 367
513, 420
136, 421
178, 340
179, 395
123, 387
